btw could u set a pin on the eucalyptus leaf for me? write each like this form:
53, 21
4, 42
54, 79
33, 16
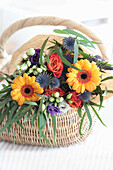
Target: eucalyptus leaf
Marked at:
42, 51
44, 137
58, 31
88, 114
75, 52
79, 111
107, 78
30, 103
97, 115
81, 123
6, 100
54, 126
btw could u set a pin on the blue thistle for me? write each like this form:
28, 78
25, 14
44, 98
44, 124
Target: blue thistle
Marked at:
68, 43
54, 83
85, 96
43, 80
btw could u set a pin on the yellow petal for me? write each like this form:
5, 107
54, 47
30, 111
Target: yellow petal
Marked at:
83, 88
21, 100
15, 97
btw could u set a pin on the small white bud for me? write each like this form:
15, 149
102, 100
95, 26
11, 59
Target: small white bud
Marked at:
34, 67
56, 94
35, 73
28, 63
31, 51
30, 70
51, 99
69, 96
61, 99
39, 70
55, 104
24, 67
24, 56
18, 67
58, 100
43, 68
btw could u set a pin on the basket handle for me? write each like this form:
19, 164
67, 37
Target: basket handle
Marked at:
45, 20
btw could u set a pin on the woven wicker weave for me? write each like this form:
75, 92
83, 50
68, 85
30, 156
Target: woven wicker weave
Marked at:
67, 125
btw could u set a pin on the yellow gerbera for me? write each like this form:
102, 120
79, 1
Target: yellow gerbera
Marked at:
87, 79
24, 88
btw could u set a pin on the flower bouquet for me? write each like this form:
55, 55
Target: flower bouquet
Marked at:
47, 84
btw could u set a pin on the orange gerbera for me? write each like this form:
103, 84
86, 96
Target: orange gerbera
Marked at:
87, 79
25, 88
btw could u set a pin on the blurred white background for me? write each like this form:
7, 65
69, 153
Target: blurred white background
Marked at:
98, 15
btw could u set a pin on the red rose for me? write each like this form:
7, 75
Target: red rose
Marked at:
75, 99
56, 65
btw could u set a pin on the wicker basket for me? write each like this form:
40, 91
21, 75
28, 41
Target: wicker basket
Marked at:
67, 125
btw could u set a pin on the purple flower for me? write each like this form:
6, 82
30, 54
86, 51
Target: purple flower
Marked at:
52, 109
35, 58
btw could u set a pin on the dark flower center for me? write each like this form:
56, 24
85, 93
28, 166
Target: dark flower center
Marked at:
83, 76
27, 90
34, 59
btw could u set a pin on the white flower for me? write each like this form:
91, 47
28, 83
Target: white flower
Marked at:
56, 94
28, 63
39, 70
24, 67
31, 51
24, 56
64, 106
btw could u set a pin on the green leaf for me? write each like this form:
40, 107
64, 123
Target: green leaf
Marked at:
13, 109
20, 125
64, 60
51, 52
75, 52
6, 100
81, 123
58, 31
44, 137
85, 55
4, 114
79, 111
27, 117
41, 124
79, 35
31, 103
98, 115
94, 42
16, 119
88, 114
2, 78
94, 104
110, 91
84, 43
9, 128
107, 78
33, 120
54, 126
41, 52
101, 100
